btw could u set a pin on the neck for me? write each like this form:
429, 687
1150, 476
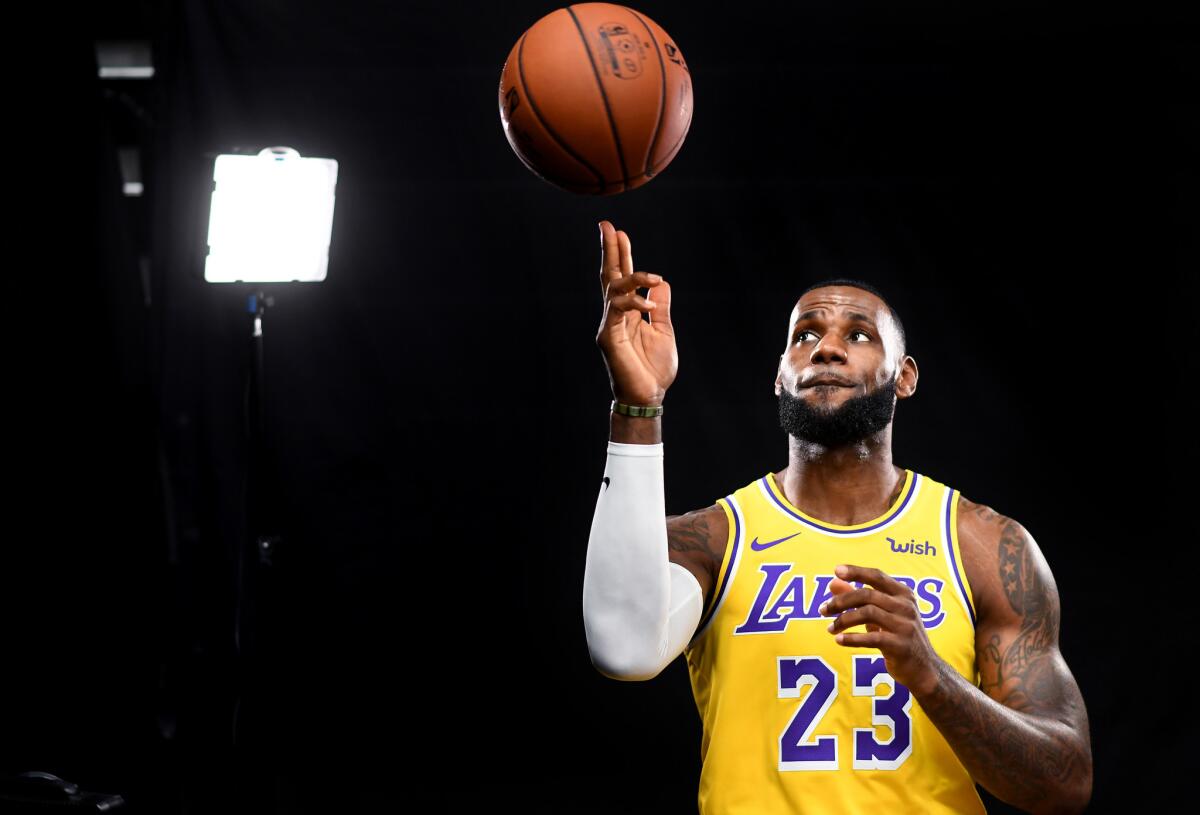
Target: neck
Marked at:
843, 485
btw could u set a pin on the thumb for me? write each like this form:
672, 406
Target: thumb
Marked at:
661, 295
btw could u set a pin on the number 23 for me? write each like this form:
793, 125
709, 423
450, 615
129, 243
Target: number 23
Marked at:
799, 749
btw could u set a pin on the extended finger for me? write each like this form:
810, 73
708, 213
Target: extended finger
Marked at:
872, 639
839, 586
861, 616
626, 253
856, 598
610, 256
872, 577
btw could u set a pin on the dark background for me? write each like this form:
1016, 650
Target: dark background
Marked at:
1020, 180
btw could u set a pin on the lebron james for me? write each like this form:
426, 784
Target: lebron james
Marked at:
859, 636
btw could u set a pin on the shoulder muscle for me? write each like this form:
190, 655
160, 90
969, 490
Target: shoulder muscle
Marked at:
1016, 642
1016, 635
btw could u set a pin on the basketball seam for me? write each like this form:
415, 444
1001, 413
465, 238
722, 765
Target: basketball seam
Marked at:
542, 120
596, 71
662, 105
674, 148
670, 155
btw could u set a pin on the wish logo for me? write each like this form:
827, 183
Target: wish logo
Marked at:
784, 595
911, 546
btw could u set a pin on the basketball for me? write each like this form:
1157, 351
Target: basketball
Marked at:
595, 98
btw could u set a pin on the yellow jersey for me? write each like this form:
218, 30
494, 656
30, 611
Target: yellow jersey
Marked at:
796, 723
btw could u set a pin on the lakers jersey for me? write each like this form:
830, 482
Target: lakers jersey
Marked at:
793, 721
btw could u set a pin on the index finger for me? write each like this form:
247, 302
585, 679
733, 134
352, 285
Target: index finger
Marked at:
610, 256
626, 253
871, 577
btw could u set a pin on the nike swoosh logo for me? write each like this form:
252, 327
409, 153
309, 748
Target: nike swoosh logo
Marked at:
758, 547
606, 483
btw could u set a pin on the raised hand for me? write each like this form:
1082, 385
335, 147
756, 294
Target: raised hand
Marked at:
640, 356
892, 617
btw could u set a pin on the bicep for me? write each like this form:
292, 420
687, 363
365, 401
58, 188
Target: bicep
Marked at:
1016, 638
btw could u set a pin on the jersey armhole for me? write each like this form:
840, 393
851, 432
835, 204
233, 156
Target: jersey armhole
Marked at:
721, 578
960, 569
731, 526
723, 571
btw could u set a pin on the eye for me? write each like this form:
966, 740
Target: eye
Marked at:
802, 332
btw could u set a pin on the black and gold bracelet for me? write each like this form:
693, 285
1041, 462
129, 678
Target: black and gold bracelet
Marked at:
646, 412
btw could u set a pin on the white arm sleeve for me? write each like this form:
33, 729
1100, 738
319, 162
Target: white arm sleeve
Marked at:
639, 609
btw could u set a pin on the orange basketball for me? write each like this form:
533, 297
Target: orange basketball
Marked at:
595, 98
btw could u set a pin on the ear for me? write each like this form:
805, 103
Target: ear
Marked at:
779, 376
906, 378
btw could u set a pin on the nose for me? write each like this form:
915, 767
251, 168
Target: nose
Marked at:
828, 348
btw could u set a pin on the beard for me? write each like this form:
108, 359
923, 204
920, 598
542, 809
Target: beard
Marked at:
814, 418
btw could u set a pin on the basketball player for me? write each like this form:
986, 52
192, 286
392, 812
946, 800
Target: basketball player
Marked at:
859, 636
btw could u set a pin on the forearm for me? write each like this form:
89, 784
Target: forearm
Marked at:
1036, 763
627, 577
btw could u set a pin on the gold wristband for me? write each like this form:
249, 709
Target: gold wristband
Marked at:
646, 412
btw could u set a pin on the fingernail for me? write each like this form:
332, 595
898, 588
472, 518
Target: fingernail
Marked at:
655, 277
821, 609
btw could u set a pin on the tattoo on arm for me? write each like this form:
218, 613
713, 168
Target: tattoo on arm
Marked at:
1023, 675
1035, 742
690, 533
696, 537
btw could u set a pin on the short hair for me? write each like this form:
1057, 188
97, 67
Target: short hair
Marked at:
865, 286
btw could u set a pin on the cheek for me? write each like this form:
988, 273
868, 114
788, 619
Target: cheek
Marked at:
787, 369
889, 364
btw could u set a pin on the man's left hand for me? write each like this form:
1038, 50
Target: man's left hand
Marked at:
889, 610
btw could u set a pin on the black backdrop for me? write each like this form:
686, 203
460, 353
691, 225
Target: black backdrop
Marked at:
1019, 179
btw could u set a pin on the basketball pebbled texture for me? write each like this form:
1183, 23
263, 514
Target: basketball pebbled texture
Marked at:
595, 98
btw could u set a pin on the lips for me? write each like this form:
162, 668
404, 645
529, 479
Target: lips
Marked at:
826, 381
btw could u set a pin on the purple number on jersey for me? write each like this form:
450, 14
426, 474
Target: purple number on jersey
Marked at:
798, 750
891, 710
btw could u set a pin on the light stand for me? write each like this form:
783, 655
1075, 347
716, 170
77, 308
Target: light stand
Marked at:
271, 221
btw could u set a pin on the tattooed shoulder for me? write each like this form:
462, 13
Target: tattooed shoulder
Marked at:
1004, 563
979, 528
1018, 609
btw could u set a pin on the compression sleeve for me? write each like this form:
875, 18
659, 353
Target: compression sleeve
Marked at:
639, 609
